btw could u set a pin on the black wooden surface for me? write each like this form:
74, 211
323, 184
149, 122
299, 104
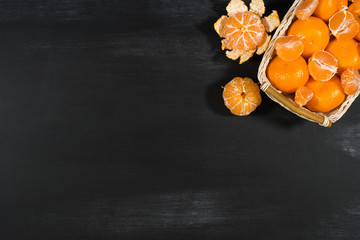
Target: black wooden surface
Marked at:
112, 126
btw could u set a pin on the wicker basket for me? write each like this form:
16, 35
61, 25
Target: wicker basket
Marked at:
286, 101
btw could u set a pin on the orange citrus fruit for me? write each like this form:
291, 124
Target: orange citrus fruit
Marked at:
347, 52
327, 95
314, 33
322, 66
241, 96
327, 8
243, 31
306, 9
343, 25
342, 5
355, 10
287, 76
350, 81
302, 96
289, 48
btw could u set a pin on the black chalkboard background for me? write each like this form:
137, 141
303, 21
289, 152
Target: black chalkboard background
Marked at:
112, 126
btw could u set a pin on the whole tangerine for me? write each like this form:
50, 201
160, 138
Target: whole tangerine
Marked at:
314, 33
327, 8
287, 76
327, 95
347, 52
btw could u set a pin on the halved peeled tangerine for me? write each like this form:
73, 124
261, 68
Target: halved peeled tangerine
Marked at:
289, 48
306, 9
343, 25
302, 96
322, 66
243, 31
241, 96
350, 81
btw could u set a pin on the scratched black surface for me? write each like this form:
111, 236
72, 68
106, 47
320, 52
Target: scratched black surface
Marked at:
112, 127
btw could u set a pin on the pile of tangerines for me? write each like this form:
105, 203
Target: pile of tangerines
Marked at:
316, 63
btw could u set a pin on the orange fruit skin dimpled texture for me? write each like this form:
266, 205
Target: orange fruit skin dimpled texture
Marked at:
347, 52
287, 76
327, 95
241, 96
314, 33
243, 31
289, 48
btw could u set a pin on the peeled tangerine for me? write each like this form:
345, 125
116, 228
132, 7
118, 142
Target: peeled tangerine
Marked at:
302, 96
241, 96
306, 9
343, 25
244, 31
350, 81
289, 48
322, 66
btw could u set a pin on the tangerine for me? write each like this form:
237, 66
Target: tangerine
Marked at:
355, 10
322, 66
241, 96
302, 96
343, 25
306, 9
314, 33
342, 5
327, 8
243, 31
347, 52
350, 81
327, 95
289, 48
287, 76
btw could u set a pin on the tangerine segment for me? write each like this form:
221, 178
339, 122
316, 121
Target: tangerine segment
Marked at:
287, 76
343, 25
355, 10
350, 81
289, 48
306, 9
302, 96
347, 52
241, 96
243, 31
327, 95
327, 8
322, 66
314, 33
